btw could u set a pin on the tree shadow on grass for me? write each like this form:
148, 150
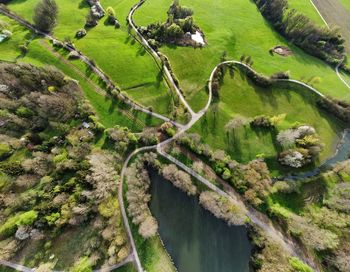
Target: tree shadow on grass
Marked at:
234, 145
141, 51
127, 39
83, 4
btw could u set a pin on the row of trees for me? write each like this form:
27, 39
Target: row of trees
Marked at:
179, 178
138, 182
223, 208
321, 42
251, 180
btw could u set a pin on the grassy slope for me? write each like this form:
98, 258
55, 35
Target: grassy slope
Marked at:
305, 7
39, 55
113, 50
247, 143
237, 29
346, 4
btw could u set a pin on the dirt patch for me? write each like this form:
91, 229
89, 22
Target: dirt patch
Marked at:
281, 50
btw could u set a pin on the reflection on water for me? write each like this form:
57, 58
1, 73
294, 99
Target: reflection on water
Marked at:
196, 240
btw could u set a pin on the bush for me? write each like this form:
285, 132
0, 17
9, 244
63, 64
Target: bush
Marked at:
5, 151
109, 207
24, 112
12, 168
23, 48
80, 33
261, 122
82, 265
9, 227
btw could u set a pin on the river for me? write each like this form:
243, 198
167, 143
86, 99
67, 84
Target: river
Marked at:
195, 239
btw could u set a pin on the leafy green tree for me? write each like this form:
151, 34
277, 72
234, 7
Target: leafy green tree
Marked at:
45, 15
174, 31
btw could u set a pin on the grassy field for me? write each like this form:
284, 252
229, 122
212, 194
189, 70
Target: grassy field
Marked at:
246, 143
109, 112
236, 29
113, 50
346, 4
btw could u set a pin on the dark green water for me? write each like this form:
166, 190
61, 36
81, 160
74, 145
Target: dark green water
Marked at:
196, 240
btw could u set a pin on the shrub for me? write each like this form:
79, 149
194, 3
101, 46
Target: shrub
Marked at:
24, 112
82, 265
80, 33
23, 48
9, 227
5, 151
110, 11
261, 122
5, 181
12, 168
109, 207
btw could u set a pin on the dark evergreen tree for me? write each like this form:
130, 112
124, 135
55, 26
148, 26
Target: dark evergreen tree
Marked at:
45, 15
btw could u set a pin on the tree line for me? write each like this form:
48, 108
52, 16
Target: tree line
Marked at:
321, 42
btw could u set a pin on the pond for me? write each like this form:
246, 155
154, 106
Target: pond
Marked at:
194, 238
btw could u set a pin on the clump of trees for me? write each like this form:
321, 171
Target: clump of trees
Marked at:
45, 15
95, 14
223, 208
324, 43
179, 178
179, 22
51, 177
302, 144
122, 138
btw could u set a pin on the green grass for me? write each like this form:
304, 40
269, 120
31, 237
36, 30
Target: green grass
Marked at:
9, 50
113, 50
237, 28
346, 4
305, 7
241, 96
